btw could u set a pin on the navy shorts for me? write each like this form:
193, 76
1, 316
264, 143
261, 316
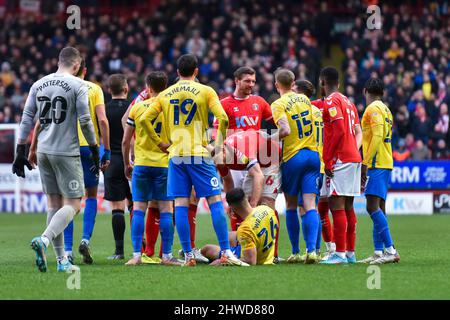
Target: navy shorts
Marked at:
149, 183
378, 182
185, 172
90, 179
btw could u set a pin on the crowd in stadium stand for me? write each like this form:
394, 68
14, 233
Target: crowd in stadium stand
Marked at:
411, 53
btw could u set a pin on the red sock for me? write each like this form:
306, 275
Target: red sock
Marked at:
276, 236
235, 222
327, 229
192, 213
151, 230
340, 229
351, 229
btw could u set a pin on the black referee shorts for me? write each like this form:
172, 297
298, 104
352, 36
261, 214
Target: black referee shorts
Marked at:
117, 187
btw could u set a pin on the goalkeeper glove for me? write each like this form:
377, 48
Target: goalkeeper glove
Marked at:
20, 161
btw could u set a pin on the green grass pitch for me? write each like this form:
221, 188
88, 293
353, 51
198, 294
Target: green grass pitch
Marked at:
423, 273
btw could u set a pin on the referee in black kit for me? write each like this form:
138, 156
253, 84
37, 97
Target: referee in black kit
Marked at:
117, 189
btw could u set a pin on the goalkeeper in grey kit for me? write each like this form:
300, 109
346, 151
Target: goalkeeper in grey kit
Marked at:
61, 100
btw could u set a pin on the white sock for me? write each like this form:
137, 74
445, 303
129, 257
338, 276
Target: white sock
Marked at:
45, 240
85, 240
136, 255
68, 253
378, 252
341, 254
328, 245
167, 256
391, 250
350, 254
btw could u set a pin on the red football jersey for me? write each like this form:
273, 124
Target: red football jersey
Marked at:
338, 107
248, 148
245, 114
319, 103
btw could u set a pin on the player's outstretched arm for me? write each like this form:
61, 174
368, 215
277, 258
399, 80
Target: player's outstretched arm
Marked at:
258, 184
249, 256
219, 113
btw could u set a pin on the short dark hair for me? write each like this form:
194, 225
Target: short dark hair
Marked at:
285, 77
186, 64
117, 83
235, 196
241, 71
330, 75
157, 80
374, 86
81, 69
306, 87
69, 56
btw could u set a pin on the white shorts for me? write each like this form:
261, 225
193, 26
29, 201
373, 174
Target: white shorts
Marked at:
238, 177
346, 181
272, 182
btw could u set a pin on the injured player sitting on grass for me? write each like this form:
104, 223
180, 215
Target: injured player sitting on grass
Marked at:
254, 240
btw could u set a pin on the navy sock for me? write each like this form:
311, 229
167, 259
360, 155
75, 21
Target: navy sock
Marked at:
377, 240
381, 225
68, 237
311, 221
182, 224
293, 228
118, 226
220, 224
137, 229
166, 230
90, 212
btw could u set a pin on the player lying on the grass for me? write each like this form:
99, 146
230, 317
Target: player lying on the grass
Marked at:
186, 105
306, 87
101, 128
254, 240
376, 169
342, 140
148, 175
61, 100
258, 156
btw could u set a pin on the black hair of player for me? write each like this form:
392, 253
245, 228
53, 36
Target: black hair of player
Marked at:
235, 196
375, 87
117, 84
157, 81
186, 64
306, 87
81, 69
330, 75
241, 71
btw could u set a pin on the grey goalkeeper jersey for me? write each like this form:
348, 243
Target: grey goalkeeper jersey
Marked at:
59, 100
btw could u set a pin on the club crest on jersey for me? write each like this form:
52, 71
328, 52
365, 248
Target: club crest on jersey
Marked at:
214, 182
255, 106
333, 112
236, 109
